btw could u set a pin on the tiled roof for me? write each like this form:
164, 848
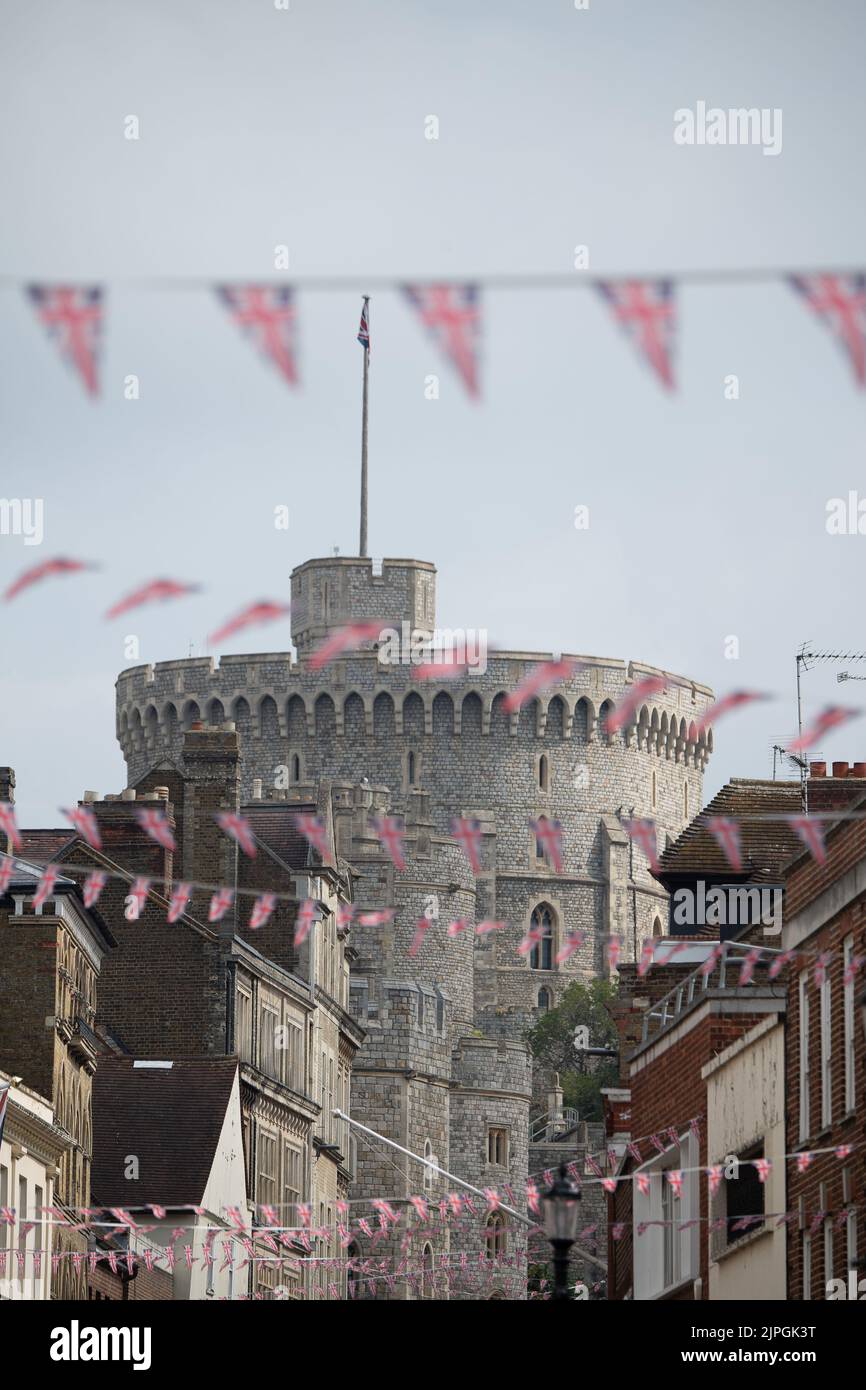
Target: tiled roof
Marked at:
767, 845
170, 1118
42, 845
26, 875
274, 824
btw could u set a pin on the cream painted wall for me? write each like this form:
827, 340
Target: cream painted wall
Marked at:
746, 1103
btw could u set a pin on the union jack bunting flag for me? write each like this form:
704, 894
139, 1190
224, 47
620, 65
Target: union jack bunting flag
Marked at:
267, 315
364, 329
645, 309
840, 302
73, 315
452, 316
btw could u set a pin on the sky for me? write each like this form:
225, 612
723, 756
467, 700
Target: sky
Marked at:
307, 128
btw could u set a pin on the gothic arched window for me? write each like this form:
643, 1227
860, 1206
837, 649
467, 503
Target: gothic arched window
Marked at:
495, 1237
543, 1000
541, 955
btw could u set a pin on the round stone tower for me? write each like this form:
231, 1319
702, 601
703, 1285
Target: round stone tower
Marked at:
428, 751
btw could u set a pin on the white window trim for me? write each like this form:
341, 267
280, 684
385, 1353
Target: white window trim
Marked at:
826, 1008
807, 1266
649, 1248
805, 1094
848, 1029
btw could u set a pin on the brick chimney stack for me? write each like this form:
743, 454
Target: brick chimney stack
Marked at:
211, 783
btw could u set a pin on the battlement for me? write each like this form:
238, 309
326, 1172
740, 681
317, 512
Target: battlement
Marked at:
360, 698
493, 1064
329, 593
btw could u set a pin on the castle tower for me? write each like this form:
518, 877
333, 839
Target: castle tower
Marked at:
428, 752
328, 594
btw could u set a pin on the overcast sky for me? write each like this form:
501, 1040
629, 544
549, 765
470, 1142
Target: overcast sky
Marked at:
259, 128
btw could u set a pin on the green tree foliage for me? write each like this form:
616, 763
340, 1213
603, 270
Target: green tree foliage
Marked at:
551, 1042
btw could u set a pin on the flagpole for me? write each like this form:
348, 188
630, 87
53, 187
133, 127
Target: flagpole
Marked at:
363, 545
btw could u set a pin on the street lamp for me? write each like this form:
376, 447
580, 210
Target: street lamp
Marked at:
560, 1226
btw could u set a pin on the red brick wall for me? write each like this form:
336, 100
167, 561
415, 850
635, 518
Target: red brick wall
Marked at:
29, 965
845, 847
155, 1285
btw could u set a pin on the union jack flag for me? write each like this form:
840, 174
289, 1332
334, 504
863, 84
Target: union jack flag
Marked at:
45, 888
645, 309
85, 823
267, 314
73, 315
364, 329
239, 829
452, 316
9, 825
154, 824
840, 301
179, 899
262, 909
220, 904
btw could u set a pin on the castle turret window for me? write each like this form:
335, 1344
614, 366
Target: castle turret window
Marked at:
543, 773
543, 1000
495, 1236
541, 955
497, 1147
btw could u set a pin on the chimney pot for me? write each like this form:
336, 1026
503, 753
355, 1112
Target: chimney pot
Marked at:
229, 726
128, 794
857, 770
257, 789
162, 793
196, 726
89, 798
840, 769
817, 769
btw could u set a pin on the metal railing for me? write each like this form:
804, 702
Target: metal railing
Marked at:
724, 974
553, 1123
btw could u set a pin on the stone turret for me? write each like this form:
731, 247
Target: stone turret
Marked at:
328, 594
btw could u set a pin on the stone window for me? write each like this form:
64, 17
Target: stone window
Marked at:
420, 1008
293, 1168
657, 927
543, 773
440, 1012
497, 1147
541, 955
427, 1281
655, 791
543, 1000
495, 1236
429, 1173
412, 769
269, 1022
266, 1179
295, 769
686, 800
243, 1025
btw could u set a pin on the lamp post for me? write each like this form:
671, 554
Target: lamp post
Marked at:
560, 1226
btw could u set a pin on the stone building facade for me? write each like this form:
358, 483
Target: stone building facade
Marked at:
440, 1067
52, 955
